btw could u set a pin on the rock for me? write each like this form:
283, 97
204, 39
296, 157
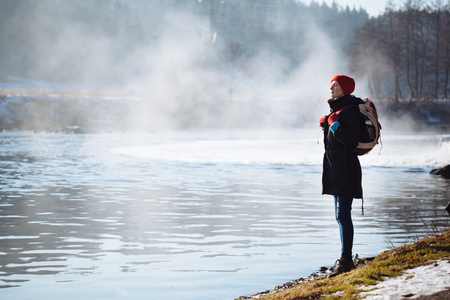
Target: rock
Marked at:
444, 172
448, 208
323, 269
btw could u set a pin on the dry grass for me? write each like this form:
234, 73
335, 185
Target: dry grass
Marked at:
390, 263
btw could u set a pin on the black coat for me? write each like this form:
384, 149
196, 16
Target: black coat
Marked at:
341, 168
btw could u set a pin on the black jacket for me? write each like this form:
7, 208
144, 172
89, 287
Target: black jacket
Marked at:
341, 168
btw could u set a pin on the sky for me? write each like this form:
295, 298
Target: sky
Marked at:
373, 7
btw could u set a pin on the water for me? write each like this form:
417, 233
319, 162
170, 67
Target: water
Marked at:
195, 215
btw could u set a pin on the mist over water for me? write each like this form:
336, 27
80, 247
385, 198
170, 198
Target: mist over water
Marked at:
168, 56
197, 168
397, 148
169, 65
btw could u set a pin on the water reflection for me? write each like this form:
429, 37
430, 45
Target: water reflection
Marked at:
71, 211
407, 202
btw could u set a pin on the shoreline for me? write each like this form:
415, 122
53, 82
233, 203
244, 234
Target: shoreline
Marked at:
425, 254
322, 273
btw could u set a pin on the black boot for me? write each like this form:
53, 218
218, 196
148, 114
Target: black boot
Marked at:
342, 265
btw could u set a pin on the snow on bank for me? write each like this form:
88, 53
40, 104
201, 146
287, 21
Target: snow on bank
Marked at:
420, 281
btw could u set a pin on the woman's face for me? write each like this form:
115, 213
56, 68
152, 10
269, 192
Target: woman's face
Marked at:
336, 90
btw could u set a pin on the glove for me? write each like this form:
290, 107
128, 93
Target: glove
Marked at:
333, 118
333, 121
322, 121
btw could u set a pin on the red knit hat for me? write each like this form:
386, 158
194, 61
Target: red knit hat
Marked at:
347, 83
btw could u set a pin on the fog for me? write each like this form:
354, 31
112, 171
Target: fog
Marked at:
178, 69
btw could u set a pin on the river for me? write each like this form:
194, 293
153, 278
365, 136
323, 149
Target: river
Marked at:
211, 214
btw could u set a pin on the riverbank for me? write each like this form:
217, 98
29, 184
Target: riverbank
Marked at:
416, 271
76, 109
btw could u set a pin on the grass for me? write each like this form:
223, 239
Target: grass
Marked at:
390, 263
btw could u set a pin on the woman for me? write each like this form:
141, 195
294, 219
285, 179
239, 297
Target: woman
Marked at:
341, 169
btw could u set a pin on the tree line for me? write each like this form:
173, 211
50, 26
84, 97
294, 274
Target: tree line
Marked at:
59, 39
405, 53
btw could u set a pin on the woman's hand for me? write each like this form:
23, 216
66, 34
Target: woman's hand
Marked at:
333, 121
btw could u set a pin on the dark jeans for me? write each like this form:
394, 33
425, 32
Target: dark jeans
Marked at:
343, 212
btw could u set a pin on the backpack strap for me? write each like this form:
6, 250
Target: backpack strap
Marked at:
340, 110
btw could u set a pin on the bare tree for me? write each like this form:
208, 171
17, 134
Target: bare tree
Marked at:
446, 47
233, 57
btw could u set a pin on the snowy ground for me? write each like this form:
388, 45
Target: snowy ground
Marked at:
421, 281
